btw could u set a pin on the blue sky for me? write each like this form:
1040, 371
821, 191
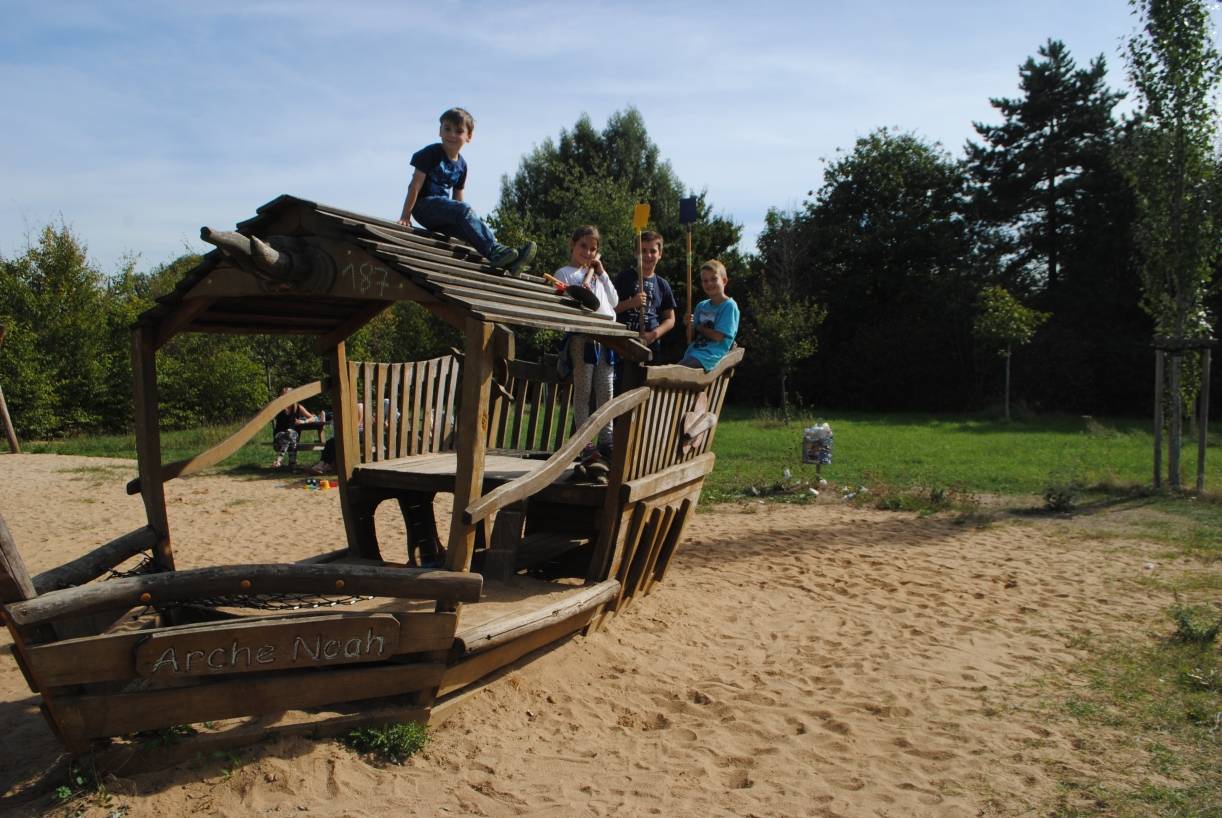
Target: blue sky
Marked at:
138, 122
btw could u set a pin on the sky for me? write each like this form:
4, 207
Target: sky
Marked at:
136, 123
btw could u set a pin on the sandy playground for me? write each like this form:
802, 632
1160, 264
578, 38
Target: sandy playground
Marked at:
819, 660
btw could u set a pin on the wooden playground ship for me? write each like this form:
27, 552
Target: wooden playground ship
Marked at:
493, 430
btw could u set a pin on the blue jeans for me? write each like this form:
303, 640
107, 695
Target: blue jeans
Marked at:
456, 219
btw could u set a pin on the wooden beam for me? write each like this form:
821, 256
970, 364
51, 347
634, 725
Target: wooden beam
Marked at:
343, 404
674, 376
558, 463
481, 664
96, 562
472, 440
651, 485
180, 317
505, 629
222, 450
249, 580
110, 657
96, 716
148, 442
15, 584
350, 325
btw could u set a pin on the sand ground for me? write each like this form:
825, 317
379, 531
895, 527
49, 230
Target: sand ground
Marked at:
819, 660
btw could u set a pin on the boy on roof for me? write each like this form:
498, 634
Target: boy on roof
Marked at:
434, 197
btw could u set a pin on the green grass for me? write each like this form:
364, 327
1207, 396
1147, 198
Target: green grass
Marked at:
966, 453
1152, 705
175, 445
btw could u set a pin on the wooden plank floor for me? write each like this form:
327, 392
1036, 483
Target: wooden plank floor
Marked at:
435, 473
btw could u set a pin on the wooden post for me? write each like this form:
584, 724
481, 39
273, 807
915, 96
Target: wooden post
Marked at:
13, 445
1203, 418
342, 402
1159, 357
1175, 439
472, 440
148, 441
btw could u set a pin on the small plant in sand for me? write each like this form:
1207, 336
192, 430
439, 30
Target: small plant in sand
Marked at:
923, 499
1063, 491
84, 788
1195, 625
391, 742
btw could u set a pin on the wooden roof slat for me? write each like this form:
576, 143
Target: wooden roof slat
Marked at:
445, 275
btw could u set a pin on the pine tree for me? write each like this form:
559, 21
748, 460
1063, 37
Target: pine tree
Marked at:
1035, 170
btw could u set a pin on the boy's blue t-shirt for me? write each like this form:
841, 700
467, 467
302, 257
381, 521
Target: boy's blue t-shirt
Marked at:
440, 174
659, 298
722, 317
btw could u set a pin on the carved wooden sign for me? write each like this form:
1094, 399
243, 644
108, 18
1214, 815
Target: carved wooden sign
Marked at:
283, 645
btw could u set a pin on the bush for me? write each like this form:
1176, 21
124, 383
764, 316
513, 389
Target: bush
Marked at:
1194, 625
391, 742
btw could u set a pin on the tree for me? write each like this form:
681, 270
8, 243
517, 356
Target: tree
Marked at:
1004, 322
595, 177
51, 299
1175, 69
779, 324
891, 263
1035, 169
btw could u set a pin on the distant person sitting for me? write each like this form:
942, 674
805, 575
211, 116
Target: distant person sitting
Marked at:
713, 325
326, 459
285, 433
440, 169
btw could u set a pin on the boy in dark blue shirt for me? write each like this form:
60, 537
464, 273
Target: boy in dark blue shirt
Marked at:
441, 169
657, 297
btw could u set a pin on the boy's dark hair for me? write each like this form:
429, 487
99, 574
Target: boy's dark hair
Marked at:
651, 235
583, 231
459, 116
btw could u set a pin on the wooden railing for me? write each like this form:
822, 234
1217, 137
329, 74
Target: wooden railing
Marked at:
409, 408
235, 441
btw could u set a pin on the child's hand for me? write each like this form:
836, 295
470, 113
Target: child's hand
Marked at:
637, 300
406, 221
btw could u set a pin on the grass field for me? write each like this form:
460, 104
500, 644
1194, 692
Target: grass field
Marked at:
908, 451
968, 453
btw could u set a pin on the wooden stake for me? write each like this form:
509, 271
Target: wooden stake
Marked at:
1203, 422
4, 418
689, 269
1159, 357
640, 218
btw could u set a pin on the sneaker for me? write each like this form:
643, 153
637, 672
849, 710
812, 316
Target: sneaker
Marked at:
526, 254
503, 257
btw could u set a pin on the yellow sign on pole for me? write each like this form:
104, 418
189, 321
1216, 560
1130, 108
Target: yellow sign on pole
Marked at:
640, 216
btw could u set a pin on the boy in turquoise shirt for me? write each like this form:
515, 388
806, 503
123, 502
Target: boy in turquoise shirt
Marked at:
713, 325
